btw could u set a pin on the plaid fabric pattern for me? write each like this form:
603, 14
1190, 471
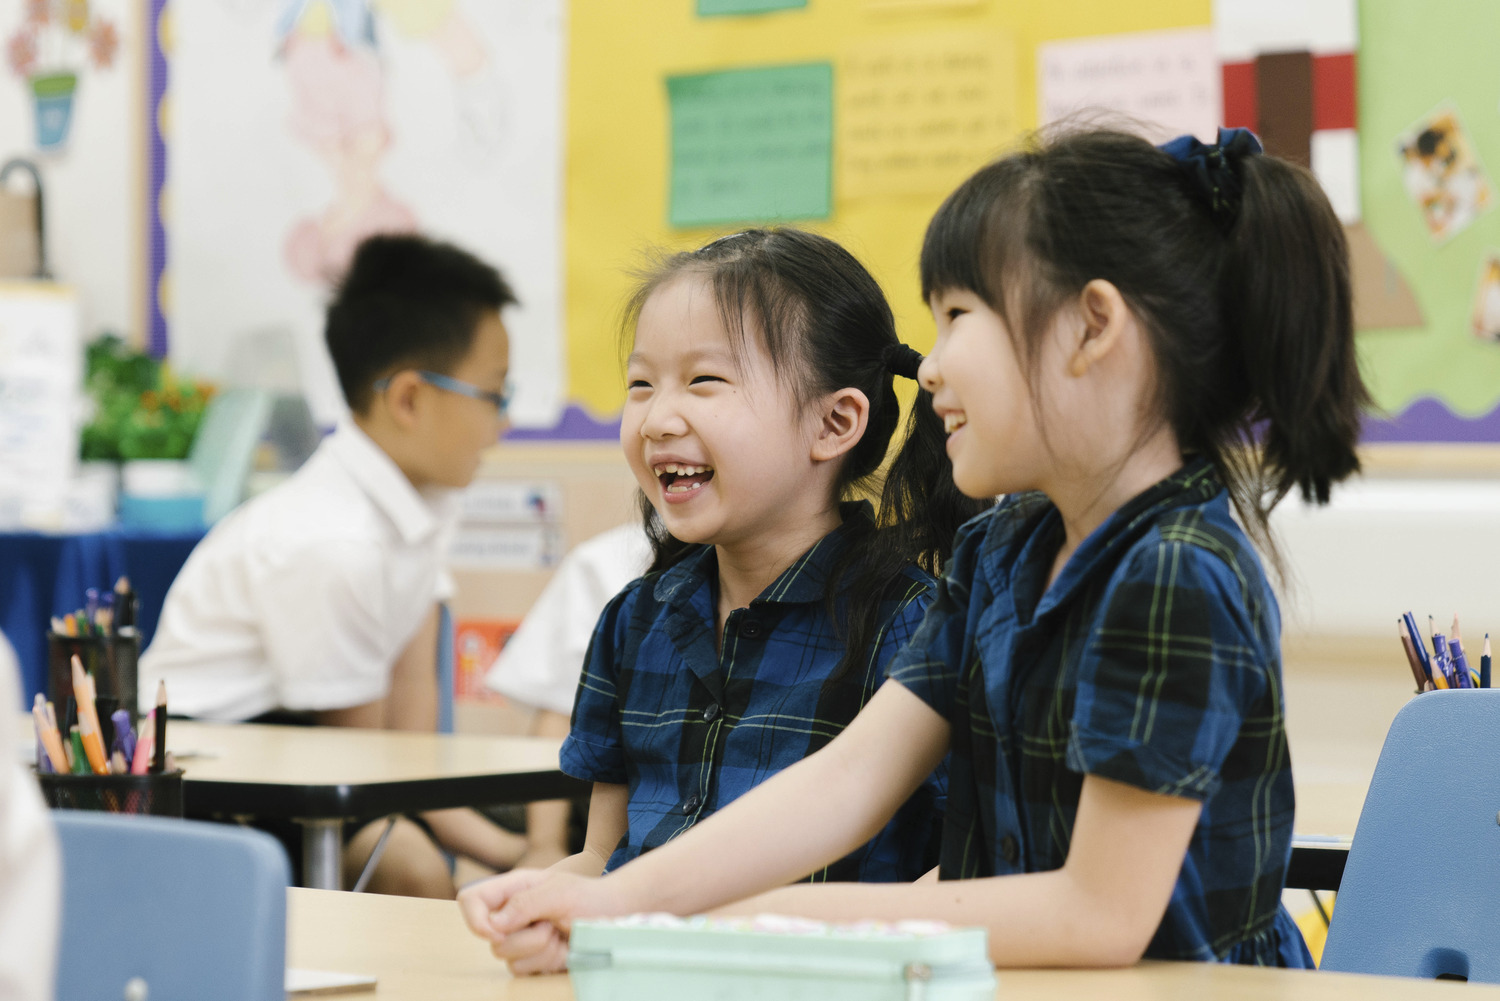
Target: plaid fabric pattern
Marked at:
690, 729
1153, 660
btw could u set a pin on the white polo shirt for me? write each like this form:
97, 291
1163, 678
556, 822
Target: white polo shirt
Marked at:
304, 597
540, 664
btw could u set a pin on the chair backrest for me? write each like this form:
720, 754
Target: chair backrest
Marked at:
191, 909
445, 669
223, 451
1420, 896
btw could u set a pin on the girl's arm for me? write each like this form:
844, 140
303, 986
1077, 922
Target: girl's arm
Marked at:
1100, 909
818, 810
607, 822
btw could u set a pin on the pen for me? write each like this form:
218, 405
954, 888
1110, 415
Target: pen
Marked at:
1411, 656
124, 741
46, 731
1442, 661
1416, 641
80, 757
83, 693
159, 733
1484, 663
125, 608
143, 747
1460, 662
93, 747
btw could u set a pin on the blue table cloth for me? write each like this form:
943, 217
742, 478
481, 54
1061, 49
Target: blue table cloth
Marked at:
46, 575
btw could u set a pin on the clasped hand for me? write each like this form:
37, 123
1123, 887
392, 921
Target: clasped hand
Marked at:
526, 914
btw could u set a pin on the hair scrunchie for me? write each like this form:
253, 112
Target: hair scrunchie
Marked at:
1213, 169
902, 359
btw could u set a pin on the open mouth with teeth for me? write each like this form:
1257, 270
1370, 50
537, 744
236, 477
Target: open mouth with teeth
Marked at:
679, 478
952, 422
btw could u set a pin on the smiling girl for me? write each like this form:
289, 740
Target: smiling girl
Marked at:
761, 400
1132, 342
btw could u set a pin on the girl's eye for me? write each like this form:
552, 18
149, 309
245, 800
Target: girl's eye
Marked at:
705, 378
639, 384
955, 312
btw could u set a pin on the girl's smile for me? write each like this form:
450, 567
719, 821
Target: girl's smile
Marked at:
681, 481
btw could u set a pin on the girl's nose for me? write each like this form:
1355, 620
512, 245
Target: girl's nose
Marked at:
927, 373
662, 419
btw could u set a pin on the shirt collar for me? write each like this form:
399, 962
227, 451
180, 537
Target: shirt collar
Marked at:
1197, 482
802, 582
416, 515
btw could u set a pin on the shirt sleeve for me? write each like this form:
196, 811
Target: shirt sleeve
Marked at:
30, 870
324, 627
1169, 675
594, 749
540, 665
931, 665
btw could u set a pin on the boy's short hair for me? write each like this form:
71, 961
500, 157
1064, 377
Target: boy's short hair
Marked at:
407, 302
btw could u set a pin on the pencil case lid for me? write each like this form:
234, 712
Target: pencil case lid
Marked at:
650, 956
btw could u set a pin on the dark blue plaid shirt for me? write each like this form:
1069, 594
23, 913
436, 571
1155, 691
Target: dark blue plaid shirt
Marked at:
689, 729
1153, 660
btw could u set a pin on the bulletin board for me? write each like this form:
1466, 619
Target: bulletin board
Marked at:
286, 131
631, 63
1429, 351
1438, 380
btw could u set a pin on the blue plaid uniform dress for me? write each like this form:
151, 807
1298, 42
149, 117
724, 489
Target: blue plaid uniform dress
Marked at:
1153, 660
690, 729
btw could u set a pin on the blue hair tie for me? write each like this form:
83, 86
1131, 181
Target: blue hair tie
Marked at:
1213, 168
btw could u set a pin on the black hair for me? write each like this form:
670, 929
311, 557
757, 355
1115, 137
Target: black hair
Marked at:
826, 325
1251, 323
407, 302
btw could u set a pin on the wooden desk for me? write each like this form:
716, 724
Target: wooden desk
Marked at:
420, 949
322, 776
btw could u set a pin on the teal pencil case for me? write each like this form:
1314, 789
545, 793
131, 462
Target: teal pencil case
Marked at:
648, 957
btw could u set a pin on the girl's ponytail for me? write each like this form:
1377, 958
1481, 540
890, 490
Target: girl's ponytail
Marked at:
1234, 262
1286, 300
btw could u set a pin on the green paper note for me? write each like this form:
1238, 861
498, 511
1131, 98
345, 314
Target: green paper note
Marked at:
752, 145
715, 8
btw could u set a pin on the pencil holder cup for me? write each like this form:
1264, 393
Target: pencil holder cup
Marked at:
157, 793
111, 660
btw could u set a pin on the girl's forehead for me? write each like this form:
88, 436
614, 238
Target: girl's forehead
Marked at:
684, 319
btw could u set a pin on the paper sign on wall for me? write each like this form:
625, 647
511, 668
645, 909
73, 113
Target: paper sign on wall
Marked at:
41, 379
1169, 81
918, 114
714, 8
751, 145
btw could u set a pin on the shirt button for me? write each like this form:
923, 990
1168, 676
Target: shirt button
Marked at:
711, 712
1010, 849
751, 629
691, 804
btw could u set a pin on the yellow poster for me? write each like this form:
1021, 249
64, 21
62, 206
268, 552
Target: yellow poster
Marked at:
918, 113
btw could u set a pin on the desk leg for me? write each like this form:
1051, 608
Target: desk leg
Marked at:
322, 854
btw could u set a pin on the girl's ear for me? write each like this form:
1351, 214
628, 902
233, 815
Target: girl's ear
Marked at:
1105, 318
843, 415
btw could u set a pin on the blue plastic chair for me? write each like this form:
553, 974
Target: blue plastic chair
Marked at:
445, 670
192, 910
1420, 896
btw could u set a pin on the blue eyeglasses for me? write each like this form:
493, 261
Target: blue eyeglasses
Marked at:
500, 401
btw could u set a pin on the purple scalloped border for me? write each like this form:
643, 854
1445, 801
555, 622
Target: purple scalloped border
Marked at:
1428, 420
156, 178
574, 425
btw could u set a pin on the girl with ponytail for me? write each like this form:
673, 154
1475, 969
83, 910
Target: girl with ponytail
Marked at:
1133, 343
761, 407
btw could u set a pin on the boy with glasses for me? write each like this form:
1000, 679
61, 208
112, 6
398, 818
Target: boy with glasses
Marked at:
317, 602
